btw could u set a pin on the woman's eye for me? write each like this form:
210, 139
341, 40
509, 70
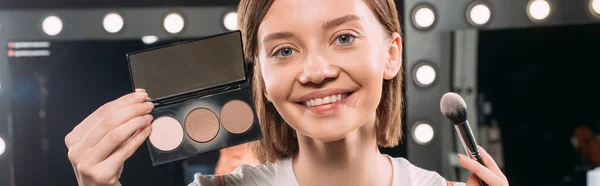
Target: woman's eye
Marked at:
285, 52
344, 39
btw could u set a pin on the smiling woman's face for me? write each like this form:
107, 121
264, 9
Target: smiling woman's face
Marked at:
323, 64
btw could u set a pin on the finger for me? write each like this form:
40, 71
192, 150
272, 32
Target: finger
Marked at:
490, 163
117, 136
118, 157
113, 120
80, 130
482, 172
120, 172
76, 173
109, 170
473, 181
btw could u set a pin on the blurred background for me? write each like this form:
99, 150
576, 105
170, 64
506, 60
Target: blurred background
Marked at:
528, 70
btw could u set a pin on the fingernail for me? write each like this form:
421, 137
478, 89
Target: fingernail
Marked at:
148, 129
148, 99
140, 90
141, 95
149, 105
461, 155
149, 118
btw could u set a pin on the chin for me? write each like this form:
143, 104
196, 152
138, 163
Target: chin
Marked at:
329, 131
328, 136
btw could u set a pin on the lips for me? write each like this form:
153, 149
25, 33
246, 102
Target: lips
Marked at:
324, 93
325, 102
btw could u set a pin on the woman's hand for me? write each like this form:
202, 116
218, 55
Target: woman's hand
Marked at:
100, 144
489, 174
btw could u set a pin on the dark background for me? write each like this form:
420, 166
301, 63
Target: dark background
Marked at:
542, 82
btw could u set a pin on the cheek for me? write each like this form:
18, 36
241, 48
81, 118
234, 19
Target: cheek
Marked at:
278, 82
366, 68
365, 65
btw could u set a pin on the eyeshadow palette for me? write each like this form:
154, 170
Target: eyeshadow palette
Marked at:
201, 96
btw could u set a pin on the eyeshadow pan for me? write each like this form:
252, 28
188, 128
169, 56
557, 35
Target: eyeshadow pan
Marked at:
202, 125
166, 134
237, 116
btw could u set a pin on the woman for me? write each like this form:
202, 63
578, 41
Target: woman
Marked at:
301, 51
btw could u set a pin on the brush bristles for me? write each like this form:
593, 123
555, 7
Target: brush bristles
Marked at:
454, 107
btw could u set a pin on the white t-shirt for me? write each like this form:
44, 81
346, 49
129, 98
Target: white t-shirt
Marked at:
281, 174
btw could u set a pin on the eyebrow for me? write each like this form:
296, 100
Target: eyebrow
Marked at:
327, 25
339, 21
278, 35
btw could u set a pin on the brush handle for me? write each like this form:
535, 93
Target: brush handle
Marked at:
469, 143
467, 138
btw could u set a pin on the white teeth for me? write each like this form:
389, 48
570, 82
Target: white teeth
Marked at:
325, 100
318, 101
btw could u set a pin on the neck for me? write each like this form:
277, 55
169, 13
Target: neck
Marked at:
353, 160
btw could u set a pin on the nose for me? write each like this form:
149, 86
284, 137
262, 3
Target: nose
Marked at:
316, 70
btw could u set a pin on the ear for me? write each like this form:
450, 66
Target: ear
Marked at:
394, 63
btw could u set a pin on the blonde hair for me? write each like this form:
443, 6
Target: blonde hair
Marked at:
279, 139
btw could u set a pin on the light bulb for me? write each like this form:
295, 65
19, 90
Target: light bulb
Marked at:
423, 133
539, 10
113, 23
480, 14
52, 25
424, 17
230, 21
174, 23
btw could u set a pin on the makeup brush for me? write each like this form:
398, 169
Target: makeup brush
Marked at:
454, 108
